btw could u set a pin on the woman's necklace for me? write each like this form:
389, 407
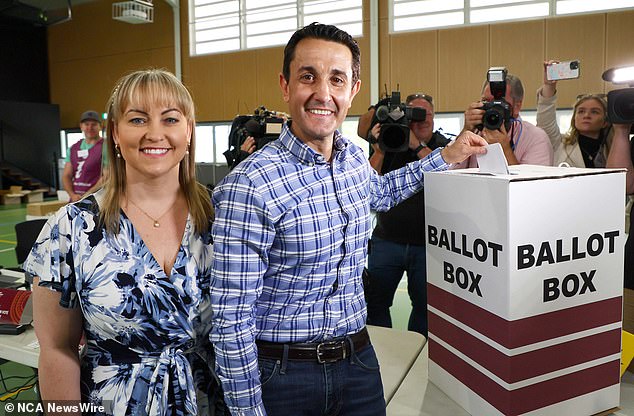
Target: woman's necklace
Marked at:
155, 221
588, 154
588, 146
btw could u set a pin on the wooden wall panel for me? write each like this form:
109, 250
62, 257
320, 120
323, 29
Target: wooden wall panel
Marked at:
362, 100
618, 45
204, 77
269, 67
519, 46
239, 83
578, 37
385, 50
413, 64
77, 89
89, 53
463, 59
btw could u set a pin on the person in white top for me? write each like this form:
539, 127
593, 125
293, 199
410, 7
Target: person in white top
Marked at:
587, 142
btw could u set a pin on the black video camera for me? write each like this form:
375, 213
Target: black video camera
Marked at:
498, 111
263, 125
395, 118
621, 102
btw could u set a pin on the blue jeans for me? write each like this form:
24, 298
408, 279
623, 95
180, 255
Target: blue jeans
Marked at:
387, 262
349, 387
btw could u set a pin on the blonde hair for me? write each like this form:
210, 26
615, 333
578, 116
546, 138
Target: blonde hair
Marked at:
572, 135
147, 87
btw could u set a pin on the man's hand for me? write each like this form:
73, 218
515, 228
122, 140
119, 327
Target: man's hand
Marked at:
73, 197
248, 145
497, 136
473, 116
413, 141
622, 130
465, 145
375, 132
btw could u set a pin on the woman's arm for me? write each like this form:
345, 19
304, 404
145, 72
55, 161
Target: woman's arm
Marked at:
546, 109
59, 332
620, 155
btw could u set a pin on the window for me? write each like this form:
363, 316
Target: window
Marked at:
212, 139
230, 25
580, 6
427, 14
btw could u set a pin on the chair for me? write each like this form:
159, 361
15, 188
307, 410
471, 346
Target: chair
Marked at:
26, 234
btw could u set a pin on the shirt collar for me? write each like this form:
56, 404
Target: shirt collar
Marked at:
305, 153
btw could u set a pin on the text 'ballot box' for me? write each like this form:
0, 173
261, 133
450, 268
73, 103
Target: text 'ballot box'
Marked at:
525, 278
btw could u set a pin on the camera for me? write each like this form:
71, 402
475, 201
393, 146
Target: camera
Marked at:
621, 102
395, 117
497, 111
263, 125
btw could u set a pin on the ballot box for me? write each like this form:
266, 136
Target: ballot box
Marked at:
525, 286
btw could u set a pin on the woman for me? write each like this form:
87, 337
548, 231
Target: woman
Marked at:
586, 144
129, 266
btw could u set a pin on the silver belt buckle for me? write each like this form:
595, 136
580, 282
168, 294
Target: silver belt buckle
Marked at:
325, 347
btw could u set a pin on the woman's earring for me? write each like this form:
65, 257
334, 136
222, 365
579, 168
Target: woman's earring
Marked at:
187, 151
116, 150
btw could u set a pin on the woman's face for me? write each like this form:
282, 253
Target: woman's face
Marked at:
590, 117
153, 140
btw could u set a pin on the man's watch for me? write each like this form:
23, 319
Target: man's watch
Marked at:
420, 147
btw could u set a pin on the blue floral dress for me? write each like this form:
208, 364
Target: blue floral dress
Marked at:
147, 333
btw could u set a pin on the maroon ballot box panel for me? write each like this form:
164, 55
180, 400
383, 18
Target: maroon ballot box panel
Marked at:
525, 285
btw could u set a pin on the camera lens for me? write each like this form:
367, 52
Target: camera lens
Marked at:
382, 113
574, 64
625, 109
492, 119
621, 106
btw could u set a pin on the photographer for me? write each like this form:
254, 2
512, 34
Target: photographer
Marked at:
252, 132
622, 156
398, 240
587, 142
522, 142
246, 148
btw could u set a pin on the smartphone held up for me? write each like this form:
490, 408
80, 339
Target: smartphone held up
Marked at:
563, 70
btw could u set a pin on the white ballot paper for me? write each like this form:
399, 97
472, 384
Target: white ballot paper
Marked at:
493, 161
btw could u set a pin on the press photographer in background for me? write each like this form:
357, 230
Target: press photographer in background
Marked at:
587, 142
252, 132
398, 241
497, 117
621, 114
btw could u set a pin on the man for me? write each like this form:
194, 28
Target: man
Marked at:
524, 143
622, 156
84, 159
398, 240
290, 237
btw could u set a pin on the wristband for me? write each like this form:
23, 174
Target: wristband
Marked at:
420, 147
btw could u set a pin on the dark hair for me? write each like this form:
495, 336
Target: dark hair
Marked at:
326, 32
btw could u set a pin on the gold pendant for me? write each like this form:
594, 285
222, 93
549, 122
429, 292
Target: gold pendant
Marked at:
156, 224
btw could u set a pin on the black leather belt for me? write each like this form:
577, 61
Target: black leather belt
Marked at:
323, 352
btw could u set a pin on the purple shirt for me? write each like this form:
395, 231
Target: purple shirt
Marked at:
86, 165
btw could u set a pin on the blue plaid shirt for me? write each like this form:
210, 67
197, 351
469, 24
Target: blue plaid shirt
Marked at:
290, 242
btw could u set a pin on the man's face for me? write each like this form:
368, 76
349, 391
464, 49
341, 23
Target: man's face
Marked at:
90, 128
423, 130
516, 106
320, 89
